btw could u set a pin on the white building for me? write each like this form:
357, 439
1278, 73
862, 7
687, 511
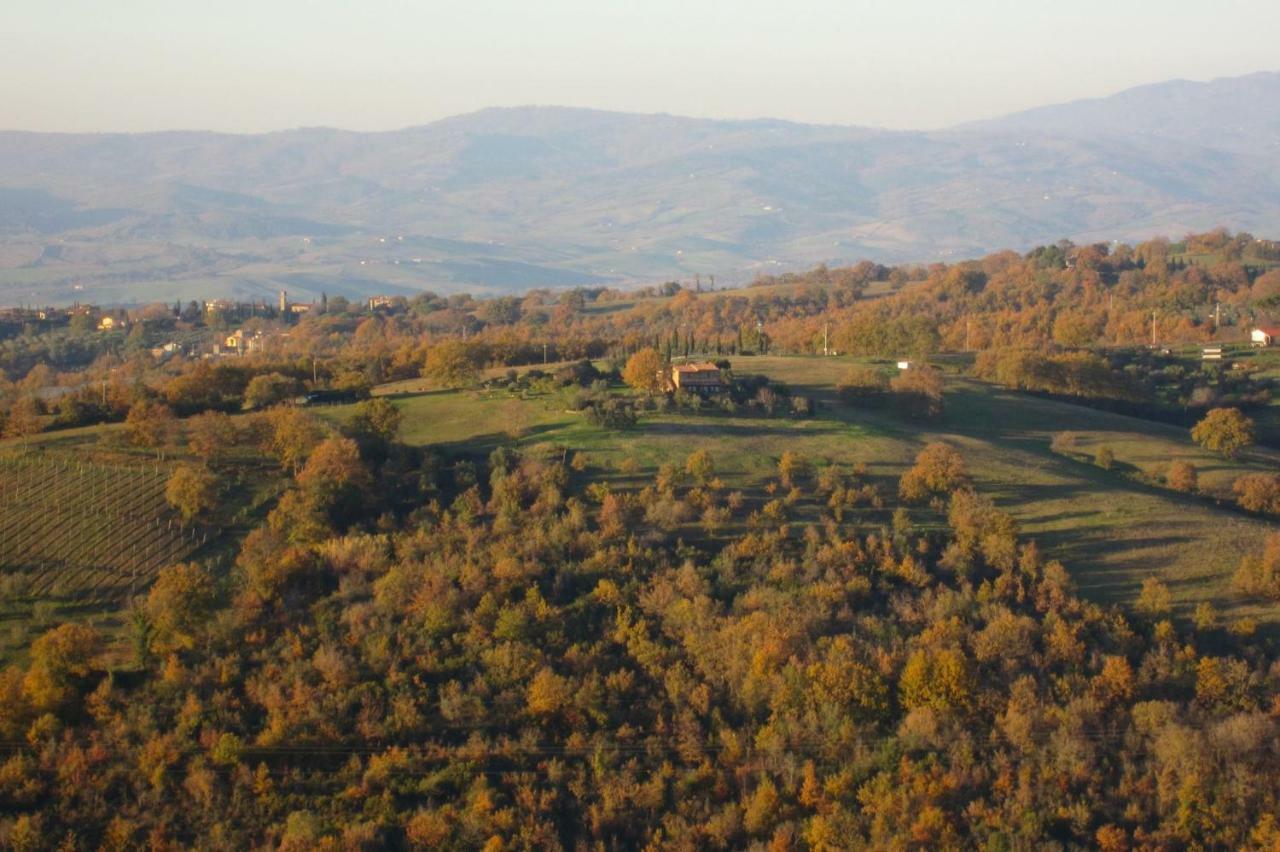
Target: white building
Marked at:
1265, 336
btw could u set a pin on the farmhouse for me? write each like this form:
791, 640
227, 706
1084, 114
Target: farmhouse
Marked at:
697, 378
1265, 335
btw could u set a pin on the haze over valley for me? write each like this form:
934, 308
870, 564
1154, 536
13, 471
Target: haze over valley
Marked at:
502, 200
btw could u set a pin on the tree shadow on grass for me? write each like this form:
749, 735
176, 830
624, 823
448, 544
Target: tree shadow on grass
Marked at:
1129, 560
730, 429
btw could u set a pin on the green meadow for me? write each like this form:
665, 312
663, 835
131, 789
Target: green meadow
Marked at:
1112, 528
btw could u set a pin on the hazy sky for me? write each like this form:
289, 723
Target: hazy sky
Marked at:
377, 64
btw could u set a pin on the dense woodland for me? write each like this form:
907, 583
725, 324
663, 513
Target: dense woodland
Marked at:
516, 662
420, 648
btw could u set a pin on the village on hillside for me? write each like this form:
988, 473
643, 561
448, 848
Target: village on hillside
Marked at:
210, 328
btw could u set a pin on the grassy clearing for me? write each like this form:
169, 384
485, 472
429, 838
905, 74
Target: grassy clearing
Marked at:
1111, 528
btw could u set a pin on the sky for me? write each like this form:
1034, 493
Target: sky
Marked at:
237, 66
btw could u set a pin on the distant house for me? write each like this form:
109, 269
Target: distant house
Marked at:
241, 343
108, 323
299, 309
1265, 335
376, 302
904, 365
697, 378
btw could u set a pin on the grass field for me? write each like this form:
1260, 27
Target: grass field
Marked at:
1112, 528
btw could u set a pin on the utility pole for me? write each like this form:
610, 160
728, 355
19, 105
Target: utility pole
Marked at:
313, 372
544, 354
826, 329
968, 334
1153, 328
1217, 316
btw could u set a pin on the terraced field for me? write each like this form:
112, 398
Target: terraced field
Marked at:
87, 531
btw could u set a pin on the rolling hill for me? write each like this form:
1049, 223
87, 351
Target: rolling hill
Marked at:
506, 199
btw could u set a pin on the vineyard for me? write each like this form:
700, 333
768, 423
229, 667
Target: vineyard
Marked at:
84, 530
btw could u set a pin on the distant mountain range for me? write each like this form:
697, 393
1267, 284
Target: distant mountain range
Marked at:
506, 199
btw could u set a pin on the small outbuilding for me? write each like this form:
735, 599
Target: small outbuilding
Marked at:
1265, 336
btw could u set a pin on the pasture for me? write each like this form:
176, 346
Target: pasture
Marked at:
1112, 528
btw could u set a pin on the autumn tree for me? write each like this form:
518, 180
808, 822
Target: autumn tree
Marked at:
941, 680
792, 467
451, 364
149, 424
700, 466
192, 490
24, 418
181, 598
645, 371
1260, 574
1154, 600
211, 435
1258, 492
336, 478
293, 433
862, 383
377, 419
938, 469
918, 392
1225, 431
268, 389
60, 660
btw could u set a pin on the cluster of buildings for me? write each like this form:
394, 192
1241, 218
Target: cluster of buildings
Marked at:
102, 319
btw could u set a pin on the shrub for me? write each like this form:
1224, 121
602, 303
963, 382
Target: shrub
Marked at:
1182, 476
1258, 492
862, 383
612, 414
918, 392
1105, 457
1064, 443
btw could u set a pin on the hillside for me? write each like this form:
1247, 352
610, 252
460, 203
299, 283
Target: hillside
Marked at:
507, 199
1112, 531
722, 627
1233, 114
